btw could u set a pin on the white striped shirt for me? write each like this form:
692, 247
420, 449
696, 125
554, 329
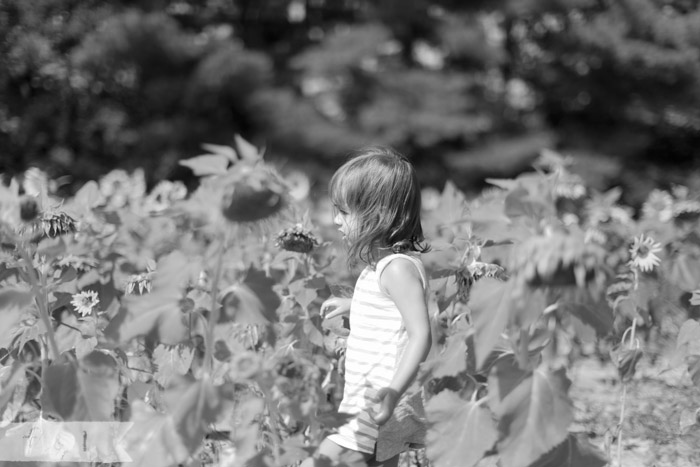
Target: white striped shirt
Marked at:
375, 345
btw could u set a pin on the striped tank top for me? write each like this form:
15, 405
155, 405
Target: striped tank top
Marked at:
375, 345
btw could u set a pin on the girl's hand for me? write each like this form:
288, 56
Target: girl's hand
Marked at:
387, 399
335, 306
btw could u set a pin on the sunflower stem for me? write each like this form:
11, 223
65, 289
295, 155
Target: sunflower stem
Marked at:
215, 312
41, 297
632, 330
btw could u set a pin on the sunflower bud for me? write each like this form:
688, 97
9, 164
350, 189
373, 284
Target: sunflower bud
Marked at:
253, 196
296, 239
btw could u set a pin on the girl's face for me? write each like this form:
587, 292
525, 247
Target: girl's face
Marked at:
344, 221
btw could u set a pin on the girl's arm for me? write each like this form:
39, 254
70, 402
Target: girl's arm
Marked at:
402, 282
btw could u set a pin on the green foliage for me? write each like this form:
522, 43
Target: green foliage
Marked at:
202, 327
471, 424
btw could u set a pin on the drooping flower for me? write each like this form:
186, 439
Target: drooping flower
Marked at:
84, 302
296, 239
643, 253
252, 194
466, 276
477, 270
58, 223
139, 281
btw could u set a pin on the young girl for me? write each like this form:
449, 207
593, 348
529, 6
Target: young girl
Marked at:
377, 200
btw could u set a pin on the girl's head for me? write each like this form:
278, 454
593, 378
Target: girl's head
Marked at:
377, 199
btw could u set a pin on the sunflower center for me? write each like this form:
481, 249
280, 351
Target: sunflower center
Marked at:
643, 251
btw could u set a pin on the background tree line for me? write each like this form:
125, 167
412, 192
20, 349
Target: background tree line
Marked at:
467, 89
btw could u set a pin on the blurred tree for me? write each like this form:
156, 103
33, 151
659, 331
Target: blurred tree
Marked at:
619, 77
468, 89
96, 86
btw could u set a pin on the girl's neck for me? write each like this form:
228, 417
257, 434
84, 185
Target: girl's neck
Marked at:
381, 254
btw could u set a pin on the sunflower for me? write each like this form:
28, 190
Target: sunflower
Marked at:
252, 193
85, 302
296, 239
643, 253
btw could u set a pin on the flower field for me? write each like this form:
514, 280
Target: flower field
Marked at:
193, 317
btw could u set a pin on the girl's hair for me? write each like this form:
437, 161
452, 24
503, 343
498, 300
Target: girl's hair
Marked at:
380, 188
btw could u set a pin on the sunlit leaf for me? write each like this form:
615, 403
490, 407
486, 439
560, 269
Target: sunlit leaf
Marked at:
29, 329
312, 332
491, 306
73, 332
221, 150
695, 298
460, 433
688, 420
243, 306
172, 361
262, 286
625, 359
533, 411
598, 317
13, 302
684, 272
442, 259
688, 349
247, 433
520, 202
153, 440
575, 451
689, 334
452, 207
87, 197
207, 164
294, 450
245, 150
84, 346
60, 390
193, 406
693, 362
11, 376
163, 439
302, 293
158, 312
453, 359
98, 387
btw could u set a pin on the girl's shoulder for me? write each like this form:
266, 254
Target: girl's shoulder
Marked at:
412, 258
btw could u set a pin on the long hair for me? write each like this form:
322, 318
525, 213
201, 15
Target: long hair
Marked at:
380, 188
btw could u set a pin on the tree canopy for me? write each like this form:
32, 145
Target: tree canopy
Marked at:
464, 88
